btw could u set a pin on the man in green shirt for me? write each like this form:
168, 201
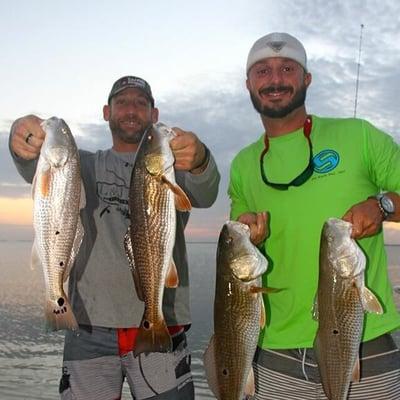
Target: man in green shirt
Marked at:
303, 170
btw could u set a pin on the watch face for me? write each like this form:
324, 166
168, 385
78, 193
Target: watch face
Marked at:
387, 204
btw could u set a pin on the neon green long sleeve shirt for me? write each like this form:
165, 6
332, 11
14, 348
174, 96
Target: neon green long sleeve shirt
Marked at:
352, 161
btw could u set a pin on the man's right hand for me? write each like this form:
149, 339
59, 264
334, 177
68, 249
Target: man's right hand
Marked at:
257, 223
27, 137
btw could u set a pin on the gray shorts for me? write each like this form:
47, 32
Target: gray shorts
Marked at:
94, 370
293, 374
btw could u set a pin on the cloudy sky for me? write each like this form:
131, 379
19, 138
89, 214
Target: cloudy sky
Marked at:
61, 58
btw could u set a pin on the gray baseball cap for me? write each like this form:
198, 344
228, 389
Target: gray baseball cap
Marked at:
131, 82
277, 44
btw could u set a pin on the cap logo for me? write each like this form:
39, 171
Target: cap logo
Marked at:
276, 46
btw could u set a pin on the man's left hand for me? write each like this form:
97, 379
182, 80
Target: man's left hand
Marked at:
188, 150
366, 218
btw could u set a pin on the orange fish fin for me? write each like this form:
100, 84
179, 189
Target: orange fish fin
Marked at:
131, 262
172, 279
153, 337
45, 182
59, 314
250, 388
182, 202
210, 367
256, 289
355, 377
370, 302
263, 317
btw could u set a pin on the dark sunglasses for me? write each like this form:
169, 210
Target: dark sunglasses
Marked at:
303, 176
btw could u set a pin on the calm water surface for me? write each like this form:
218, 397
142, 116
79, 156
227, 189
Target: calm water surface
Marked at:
30, 359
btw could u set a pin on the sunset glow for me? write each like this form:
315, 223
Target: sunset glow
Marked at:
16, 211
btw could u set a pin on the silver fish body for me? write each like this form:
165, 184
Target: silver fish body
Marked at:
151, 236
342, 300
57, 199
238, 314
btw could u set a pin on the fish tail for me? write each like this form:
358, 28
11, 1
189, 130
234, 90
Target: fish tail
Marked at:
59, 314
153, 337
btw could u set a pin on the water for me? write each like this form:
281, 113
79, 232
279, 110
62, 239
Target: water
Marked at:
30, 358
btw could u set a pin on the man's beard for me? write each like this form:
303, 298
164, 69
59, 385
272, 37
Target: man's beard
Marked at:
127, 137
280, 112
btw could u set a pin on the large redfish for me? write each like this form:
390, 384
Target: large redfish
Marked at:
57, 198
154, 198
342, 299
238, 314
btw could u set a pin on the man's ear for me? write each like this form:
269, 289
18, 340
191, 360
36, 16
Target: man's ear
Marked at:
248, 84
307, 79
154, 115
106, 112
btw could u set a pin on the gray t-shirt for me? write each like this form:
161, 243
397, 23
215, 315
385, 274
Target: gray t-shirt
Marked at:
101, 287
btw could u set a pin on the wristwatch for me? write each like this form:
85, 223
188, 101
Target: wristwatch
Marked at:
386, 205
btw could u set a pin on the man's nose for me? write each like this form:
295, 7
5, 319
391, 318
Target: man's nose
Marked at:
276, 76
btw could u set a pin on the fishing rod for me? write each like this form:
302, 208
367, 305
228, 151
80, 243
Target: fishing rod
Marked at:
358, 70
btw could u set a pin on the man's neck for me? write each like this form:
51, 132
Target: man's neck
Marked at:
282, 126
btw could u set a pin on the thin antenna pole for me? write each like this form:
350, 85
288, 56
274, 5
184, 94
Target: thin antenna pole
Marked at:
358, 71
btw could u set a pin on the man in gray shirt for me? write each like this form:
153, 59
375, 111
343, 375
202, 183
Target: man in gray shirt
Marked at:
99, 356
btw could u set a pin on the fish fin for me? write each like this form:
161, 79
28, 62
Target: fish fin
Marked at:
370, 302
210, 366
45, 182
131, 262
256, 289
314, 311
36, 263
59, 314
152, 337
82, 200
172, 279
250, 388
182, 202
263, 317
74, 250
33, 188
355, 376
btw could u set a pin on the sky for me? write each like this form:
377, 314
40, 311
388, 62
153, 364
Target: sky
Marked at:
61, 58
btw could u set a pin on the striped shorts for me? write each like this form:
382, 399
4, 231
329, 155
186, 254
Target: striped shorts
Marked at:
94, 369
294, 375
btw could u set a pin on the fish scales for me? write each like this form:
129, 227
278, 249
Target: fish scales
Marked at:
238, 314
342, 300
149, 243
57, 199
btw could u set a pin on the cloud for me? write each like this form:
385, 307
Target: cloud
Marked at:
208, 95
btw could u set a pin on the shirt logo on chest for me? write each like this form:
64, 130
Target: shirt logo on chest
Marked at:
326, 161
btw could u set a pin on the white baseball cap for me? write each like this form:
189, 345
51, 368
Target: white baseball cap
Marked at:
277, 44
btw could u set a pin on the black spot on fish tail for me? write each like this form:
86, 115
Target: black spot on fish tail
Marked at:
146, 325
335, 332
60, 301
57, 232
225, 372
61, 263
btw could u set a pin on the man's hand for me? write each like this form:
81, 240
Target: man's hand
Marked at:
257, 223
27, 137
366, 218
190, 153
